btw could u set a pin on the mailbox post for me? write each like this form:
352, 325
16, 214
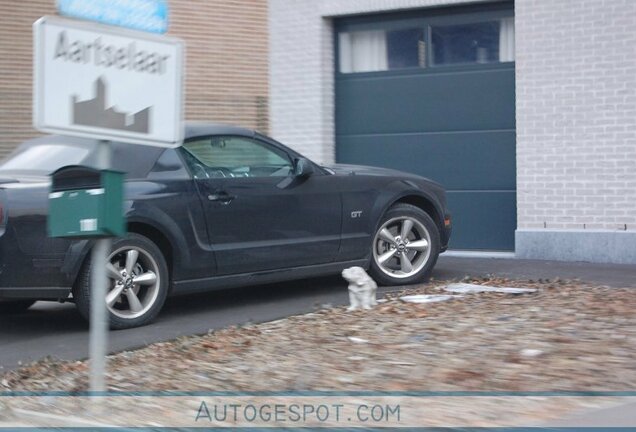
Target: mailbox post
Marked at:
99, 282
87, 202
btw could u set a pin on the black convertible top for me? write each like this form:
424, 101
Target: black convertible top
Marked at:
135, 160
193, 129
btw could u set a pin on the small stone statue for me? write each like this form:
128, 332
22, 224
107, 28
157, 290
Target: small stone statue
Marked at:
362, 288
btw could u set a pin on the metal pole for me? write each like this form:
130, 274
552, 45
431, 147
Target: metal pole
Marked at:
99, 315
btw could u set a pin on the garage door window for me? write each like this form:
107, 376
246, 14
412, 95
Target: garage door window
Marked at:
481, 42
444, 44
381, 50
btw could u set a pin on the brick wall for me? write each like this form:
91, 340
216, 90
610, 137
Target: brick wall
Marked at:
16, 42
576, 114
226, 67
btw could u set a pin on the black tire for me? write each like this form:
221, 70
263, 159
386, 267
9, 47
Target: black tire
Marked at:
8, 307
391, 272
155, 263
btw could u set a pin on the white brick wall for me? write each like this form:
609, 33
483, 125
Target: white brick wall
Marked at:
301, 74
576, 114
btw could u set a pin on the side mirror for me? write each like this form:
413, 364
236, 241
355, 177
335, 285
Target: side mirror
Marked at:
304, 168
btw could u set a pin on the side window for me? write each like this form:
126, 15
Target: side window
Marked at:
168, 167
229, 156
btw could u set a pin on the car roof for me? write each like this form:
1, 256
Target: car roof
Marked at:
191, 129
195, 129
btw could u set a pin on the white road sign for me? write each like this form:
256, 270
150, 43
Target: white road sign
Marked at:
107, 83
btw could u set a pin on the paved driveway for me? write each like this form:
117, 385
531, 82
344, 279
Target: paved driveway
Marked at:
57, 330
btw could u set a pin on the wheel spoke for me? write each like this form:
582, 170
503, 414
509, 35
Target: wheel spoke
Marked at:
407, 226
133, 301
131, 260
112, 272
114, 295
405, 263
386, 235
147, 278
418, 245
386, 256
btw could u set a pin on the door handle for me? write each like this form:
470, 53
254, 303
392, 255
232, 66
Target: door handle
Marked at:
222, 197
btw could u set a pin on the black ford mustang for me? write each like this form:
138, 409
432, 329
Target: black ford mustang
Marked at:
229, 207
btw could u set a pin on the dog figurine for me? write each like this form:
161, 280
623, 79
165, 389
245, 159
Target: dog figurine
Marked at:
362, 288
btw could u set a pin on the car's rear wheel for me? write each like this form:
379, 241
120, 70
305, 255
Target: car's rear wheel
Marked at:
405, 246
15, 306
137, 283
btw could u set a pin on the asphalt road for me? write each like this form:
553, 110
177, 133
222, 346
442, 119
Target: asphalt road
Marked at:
57, 329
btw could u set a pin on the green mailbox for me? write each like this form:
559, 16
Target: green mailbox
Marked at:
86, 202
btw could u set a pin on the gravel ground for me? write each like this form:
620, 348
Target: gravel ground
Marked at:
566, 336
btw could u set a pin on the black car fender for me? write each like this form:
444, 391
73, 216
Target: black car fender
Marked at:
408, 192
150, 217
160, 222
74, 258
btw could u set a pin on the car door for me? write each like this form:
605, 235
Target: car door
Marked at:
260, 216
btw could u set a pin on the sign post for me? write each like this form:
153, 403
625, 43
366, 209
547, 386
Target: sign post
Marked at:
98, 338
109, 84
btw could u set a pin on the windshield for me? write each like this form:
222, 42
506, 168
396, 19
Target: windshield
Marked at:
44, 159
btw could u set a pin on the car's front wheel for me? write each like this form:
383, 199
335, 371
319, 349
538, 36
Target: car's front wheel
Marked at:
405, 246
137, 283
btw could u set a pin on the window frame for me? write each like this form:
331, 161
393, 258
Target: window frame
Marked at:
426, 19
279, 150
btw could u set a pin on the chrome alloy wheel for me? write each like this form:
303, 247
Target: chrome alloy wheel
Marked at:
134, 282
401, 247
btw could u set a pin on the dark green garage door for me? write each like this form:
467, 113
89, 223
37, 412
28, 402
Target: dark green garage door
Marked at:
433, 94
